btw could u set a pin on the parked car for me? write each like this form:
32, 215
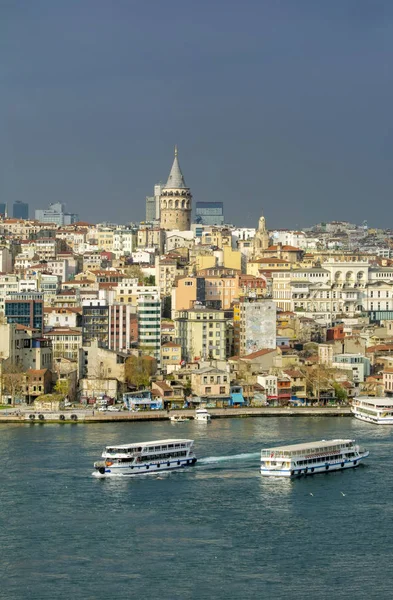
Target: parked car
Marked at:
114, 408
103, 408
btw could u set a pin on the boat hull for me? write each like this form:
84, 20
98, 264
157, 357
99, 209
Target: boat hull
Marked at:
373, 420
315, 470
144, 469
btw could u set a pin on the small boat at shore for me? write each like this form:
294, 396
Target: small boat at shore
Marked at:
311, 458
178, 419
202, 415
378, 411
145, 458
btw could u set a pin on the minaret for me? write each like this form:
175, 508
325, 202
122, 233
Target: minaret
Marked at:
175, 200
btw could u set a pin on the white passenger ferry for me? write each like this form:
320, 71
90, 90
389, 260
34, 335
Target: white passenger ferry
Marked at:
373, 410
145, 457
311, 457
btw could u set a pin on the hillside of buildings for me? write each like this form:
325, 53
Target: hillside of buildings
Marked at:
184, 309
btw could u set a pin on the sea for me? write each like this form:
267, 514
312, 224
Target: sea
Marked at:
214, 531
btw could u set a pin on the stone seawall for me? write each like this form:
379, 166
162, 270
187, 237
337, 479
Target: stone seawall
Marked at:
87, 416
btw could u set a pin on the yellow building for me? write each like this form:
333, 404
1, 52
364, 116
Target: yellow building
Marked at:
170, 354
201, 332
104, 239
205, 262
261, 265
217, 237
232, 258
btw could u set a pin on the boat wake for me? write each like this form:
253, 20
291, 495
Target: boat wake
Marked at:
218, 459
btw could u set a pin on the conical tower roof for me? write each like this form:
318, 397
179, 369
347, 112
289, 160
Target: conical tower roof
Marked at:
175, 179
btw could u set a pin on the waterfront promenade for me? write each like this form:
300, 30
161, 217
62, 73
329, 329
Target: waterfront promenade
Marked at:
75, 416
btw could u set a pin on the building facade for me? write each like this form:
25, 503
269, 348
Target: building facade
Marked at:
25, 309
209, 213
257, 325
20, 210
149, 322
95, 323
202, 333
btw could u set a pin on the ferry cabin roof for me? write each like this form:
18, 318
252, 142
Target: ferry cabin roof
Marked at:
146, 444
377, 402
307, 447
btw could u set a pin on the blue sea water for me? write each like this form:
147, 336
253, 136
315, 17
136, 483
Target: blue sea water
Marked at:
217, 530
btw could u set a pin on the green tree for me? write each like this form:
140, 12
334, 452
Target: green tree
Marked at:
62, 387
135, 272
138, 370
340, 393
150, 280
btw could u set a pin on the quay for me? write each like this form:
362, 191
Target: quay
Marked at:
76, 416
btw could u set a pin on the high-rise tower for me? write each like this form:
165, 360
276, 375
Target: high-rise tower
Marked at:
175, 200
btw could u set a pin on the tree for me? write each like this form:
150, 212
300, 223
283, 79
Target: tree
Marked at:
138, 370
340, 393
150, 280
62, 387
135, 272
12, 380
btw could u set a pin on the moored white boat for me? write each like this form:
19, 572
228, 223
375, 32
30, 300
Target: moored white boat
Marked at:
373, 410
178, 419
145, 457
311, 458
201, 414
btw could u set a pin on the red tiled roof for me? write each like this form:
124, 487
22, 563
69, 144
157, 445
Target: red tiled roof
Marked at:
36, 371
258, 353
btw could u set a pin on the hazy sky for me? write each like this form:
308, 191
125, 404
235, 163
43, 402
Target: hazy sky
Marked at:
280, 106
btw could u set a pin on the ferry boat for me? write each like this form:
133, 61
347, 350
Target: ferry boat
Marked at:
311, 458
145, 457
201, 414
373, 410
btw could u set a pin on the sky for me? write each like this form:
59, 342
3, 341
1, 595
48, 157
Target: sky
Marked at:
278, 107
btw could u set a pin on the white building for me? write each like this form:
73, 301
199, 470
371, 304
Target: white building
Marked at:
149, 321
269, 382
257, 325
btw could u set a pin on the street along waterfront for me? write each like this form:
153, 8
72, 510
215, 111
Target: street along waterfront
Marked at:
90, 416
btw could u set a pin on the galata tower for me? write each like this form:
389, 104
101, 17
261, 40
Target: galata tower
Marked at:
175, 200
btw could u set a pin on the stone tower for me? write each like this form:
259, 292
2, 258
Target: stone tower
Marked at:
261, 239
175, 200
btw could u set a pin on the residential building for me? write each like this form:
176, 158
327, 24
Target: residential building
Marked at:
269, 383
25, 309
357, 364
257, 325
95, 322
202, 333
123, 327
25, 347
38, 382
66, 342
211, 385
149, 322
170, 354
